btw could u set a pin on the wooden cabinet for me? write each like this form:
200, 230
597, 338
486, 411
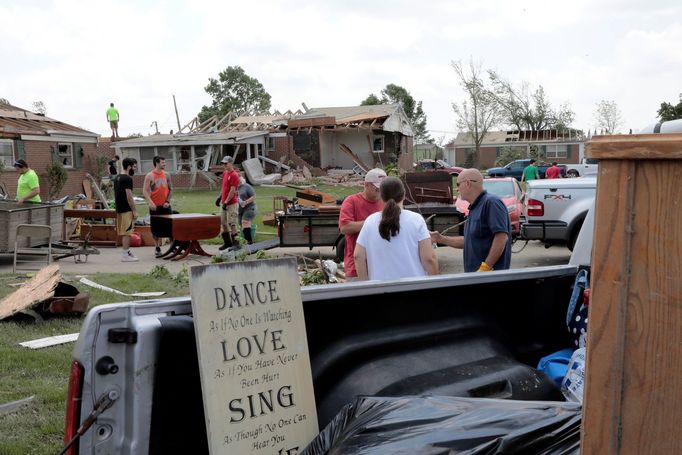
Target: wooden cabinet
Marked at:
633, 394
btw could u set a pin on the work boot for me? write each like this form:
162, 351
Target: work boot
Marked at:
247, 235
235, 241
227, 241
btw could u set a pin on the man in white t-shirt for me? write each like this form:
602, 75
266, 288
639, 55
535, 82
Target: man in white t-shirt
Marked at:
394, 243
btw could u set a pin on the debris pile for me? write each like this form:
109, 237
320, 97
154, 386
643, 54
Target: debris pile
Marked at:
341, 177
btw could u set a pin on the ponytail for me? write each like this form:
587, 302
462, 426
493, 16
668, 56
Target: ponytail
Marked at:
392, 192
390, 220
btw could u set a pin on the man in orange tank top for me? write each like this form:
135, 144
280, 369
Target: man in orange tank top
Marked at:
157, 190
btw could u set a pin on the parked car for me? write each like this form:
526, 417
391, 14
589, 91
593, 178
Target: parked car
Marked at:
437, 166
516, 167
507, 189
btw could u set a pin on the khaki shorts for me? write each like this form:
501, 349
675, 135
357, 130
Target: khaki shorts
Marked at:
124, 223
229, 217
113, 124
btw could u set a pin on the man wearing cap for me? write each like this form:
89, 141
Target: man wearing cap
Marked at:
354, 210
28, 186
228, 203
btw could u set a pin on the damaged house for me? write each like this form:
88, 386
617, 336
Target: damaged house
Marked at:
355, 137
41, 141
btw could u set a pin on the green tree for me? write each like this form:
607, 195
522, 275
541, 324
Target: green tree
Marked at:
479, 111
235, 91
509, 154
607, 117
55, 176
39, 107
395, 94
528, 109
668, 111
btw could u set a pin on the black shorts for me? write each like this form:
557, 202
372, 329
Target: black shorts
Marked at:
160, 230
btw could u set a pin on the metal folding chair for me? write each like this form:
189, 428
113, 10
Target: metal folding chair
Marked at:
26, 236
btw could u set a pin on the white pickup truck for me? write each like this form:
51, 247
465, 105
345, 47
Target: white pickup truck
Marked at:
556, 208
586, 167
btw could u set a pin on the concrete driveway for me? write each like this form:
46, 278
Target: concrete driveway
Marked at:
109, 259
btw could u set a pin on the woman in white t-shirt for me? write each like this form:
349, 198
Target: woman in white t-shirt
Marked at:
394, 243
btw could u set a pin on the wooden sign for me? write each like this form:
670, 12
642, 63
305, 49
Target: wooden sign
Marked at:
253, 356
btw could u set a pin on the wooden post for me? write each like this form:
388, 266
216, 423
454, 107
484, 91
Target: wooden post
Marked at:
633, 391
177, 117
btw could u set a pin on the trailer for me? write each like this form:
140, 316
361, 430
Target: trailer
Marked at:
12, 215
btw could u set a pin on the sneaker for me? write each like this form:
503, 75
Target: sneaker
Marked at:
129, 257
157, 252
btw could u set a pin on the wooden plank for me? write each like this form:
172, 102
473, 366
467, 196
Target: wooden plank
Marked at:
12, 406
607, 319
344, 148
308, 122
636, 146
634, 356
50, 341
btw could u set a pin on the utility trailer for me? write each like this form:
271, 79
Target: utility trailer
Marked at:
12, 215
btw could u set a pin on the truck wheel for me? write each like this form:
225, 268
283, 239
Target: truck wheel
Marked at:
574, 235
572, 173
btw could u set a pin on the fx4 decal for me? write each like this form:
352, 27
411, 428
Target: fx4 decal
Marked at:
557, 197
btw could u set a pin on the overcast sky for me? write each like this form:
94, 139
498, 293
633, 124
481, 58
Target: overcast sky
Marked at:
78, 56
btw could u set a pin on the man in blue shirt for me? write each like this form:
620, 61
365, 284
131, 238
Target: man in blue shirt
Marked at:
487, 234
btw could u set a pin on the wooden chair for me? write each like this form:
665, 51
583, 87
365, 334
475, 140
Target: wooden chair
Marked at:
26, 234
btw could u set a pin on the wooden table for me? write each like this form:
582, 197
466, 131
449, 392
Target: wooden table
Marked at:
186, 229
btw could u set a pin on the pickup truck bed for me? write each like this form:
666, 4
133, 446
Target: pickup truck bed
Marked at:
475, 335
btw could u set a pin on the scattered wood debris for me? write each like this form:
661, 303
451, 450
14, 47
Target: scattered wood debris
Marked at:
49, 341
92, 284
12, 406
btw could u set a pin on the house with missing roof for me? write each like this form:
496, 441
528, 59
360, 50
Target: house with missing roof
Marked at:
557, 145
354, 137
41, 140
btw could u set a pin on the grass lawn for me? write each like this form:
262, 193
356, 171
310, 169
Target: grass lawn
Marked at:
38, 427
203, 201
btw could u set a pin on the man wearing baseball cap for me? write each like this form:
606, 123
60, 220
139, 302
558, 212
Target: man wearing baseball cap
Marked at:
354, 210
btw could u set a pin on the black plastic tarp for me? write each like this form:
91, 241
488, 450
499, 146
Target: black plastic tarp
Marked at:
449, 425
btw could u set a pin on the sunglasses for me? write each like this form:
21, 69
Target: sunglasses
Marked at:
464, 181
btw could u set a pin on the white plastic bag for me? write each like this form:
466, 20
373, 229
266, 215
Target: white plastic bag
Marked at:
574, 381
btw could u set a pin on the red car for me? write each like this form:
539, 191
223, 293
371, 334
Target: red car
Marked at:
507, 189
437, 166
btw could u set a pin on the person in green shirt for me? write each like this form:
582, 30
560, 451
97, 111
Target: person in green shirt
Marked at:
530, 172
112, 118
28, 187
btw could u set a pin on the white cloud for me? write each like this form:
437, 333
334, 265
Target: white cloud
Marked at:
77, 57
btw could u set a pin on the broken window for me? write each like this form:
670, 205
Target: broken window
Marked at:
378, 144
307, 147
7, 152
65, 154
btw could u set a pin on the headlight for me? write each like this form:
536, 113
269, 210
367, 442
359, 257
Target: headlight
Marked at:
511, 208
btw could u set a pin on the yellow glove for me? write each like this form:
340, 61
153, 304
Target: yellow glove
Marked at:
484, 268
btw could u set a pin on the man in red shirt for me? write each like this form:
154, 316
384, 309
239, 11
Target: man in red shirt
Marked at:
228, 203
553, 172
354, 210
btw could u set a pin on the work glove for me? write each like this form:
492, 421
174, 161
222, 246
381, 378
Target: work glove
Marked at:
217, 201
225, 206
484, 267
